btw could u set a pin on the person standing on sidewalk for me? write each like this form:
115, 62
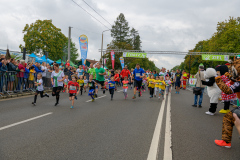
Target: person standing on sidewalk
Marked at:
200, 77
138, 75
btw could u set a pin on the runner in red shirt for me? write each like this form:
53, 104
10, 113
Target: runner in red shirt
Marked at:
125, 73
117, 78
73, 89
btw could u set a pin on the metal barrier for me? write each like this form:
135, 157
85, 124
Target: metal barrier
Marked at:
12, 82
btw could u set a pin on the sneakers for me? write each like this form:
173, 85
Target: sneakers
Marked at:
209, 113
46, 95
56, 104
194, 105
199, 106
159, 98
93, 99
95, 95
63, 90
222, 143
176, 93
134, 97
34, 103
71, 107
224, 111
76, 97
139, 94
103, 91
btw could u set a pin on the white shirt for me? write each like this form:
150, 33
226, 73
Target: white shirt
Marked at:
85, 82
40, 87
59, 76
44, 73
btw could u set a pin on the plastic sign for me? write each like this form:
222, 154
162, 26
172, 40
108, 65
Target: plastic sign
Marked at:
209, 57
83, 41
135, 55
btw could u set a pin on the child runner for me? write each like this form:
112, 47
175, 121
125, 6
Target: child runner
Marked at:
81, 83
65, 82
91, 84
151, 86
168, 85
157, 85
117, 79
125, 86
85, 84
39, 89
72, 89
112, 85
161, 87
57, 78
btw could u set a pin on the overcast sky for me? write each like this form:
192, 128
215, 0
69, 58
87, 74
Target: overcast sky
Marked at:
163, 25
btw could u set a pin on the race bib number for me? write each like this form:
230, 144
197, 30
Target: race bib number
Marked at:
161, 83
73, 88
138, 75
81, 84
125, 85
85, 84
111, 85
90, 84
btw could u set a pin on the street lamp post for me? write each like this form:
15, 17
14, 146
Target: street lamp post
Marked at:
102, 47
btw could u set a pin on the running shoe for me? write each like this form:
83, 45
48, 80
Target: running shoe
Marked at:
194, 105
71, 107
95, 95
76, 97
222, 143
56, 104
134, 97
176, 93
63, 91
126, 96
103, 91
159, 98
155, 96
47, 95
139, 94
34, 103
209, 113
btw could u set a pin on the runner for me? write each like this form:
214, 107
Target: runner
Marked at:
72, 89
138, 74
125, 87
81, 83
39, 89
125, 73
100, 72
151, 85
57, 78
112, 85
162, 87
92, 71
177, 80
91, 84
80, 71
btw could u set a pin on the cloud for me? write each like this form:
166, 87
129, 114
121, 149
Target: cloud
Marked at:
162, 25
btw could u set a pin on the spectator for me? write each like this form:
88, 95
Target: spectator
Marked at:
20, 74
68, 63
25, 78
155, 74
3, 69
200, 76
12, 73
31, 77
44, 72
80, 71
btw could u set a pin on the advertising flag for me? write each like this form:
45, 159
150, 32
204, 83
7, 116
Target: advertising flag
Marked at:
83, 41
122, 62
113, 58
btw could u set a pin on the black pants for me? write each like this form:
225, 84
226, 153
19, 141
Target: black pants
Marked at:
151, 91
111, 91
56, 92
213, 107
226, 105
41, 95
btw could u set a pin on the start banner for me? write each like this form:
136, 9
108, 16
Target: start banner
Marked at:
209, 57
135, 55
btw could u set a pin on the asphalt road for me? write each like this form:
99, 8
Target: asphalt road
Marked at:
111, 130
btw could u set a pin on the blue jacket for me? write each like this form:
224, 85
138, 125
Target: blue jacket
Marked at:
3, 68
26, 73
36, 69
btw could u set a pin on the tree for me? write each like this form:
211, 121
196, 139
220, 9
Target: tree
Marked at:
73, 52
44, 36
120, 30
135, 39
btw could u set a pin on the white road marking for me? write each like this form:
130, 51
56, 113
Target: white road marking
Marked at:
27, 120
153, 151
120, 91
168, 133
96, 98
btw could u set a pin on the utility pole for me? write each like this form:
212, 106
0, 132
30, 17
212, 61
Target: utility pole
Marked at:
69, 42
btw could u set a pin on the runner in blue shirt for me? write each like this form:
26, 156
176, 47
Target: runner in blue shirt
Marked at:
138, 75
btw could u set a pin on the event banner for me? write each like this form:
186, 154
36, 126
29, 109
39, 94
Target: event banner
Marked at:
135, 54
83, 41
122, 62
209, 57
112, 58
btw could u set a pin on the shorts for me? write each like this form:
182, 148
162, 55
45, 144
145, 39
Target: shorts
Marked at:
31, 82
100, 82
72, 94
161, 90
11, 78
178, 84
138, 84
55, 89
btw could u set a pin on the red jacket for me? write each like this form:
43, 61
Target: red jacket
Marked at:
125, 73
116, 78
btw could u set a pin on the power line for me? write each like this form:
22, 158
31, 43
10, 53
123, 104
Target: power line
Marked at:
89, 13
96, 12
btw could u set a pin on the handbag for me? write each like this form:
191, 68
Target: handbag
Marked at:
197, 90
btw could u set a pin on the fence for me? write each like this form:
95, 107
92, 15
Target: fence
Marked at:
12, 82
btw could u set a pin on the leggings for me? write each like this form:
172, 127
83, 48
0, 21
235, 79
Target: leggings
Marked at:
156, 90
125, 91
56, 92
151, 91
41, 94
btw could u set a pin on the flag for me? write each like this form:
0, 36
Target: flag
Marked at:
112, 58
83, 41
122, 62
